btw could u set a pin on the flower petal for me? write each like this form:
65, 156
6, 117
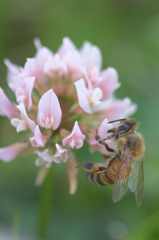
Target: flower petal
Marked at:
43, 55
39, 162
9, 153
76, 138
37, 43
57, 68
6, 107
120, 109
82, 93
20, 125
29, 84
74, 64
103, 129
88, 98
60, 155
30, 68
38, 140
24, 93
13, 71
103, 133
109, 82
49, 111
66, 47
96, 97
91, 55
25, 122
44, 158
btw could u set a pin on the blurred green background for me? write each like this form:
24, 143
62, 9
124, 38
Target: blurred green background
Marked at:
127, 32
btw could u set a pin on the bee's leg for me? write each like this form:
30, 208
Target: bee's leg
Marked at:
102, 142
106, 157
114, 135
111, 161
90, 166
86, 165
112, 130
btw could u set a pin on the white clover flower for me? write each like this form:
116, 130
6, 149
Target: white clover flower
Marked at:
63, 97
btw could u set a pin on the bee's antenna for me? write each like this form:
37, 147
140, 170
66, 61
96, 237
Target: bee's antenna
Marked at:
117, 120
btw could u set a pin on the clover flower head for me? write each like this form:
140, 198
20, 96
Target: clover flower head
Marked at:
61, 98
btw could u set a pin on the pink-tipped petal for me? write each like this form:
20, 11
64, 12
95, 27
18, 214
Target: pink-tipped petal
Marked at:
88, 98
104, 127
74, 64
37, 44
6, 107
24, 116
54, 69
44, 158
25, 122
91, 55
9, 153
49, 111
82, 93
66, 47
13, 71
23, 93
90, 86
38, 140
29, 84
43, 55
30, 68
94, 76
109, 82
76, 138
20, 125
96, 97
19, 80
60, 155
131, 107
103, 133
120, 109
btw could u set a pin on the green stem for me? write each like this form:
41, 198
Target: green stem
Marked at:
16, 224
45, 205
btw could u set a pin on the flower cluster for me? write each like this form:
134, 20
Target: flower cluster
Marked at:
61, 98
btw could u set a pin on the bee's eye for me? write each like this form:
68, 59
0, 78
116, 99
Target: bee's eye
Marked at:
125, 127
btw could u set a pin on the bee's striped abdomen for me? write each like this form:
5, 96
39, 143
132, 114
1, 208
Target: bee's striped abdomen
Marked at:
99, 174
92, 178
99, 178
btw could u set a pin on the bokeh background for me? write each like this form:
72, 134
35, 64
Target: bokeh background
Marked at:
127, 32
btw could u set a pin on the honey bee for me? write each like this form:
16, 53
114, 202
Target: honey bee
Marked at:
118, 171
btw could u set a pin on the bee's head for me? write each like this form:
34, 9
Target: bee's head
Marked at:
126, 124
131, 122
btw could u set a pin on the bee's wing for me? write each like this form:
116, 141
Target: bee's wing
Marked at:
136, 181
121, 181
